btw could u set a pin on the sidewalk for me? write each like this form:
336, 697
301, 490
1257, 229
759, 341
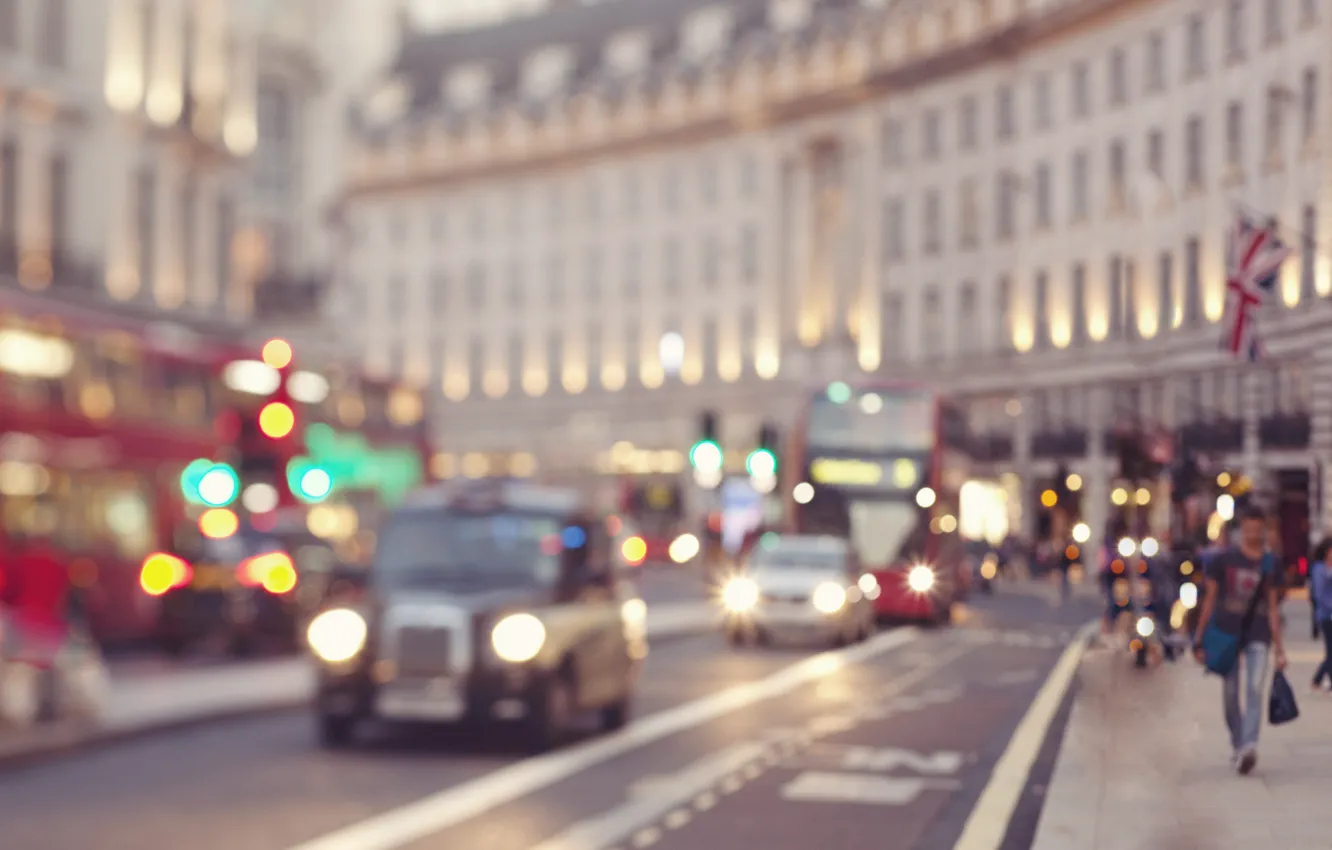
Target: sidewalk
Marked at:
1144, 763
145, 698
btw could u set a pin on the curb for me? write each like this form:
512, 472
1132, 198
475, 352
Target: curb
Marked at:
53, 742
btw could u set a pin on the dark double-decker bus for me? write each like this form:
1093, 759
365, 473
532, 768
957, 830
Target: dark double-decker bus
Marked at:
883, 465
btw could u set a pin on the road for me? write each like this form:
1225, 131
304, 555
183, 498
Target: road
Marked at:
778, 748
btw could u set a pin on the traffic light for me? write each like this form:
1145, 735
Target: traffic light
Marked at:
205, 482
309, 481
706, 455
277, 420
762, 461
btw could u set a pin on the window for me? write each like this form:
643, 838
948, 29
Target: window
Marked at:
1130, 299
9, 24
1308, 252
711, 263
1273, 25
145, 216
894, 143
968, 121
1078, 299
707, 181
1156, 62
1081, 90
1156, 153
931, 323
60, 203
1004, 313
1275, 113
749, 252
968, 330
671, 267
1196, 49
1118, 94
748, 177
1118, 174
932, 222
1193, 281
1165, 288
1235, 30
1003, 113
893, 325
226, 229
932, 131
1193, 139
1235, 136
1043, 117
968, 206
54, 33
1006, 206
894, 227
1115, 296
476, 287
1309, 104
1044, 213
1080, 202
189, 223
1041, 305
592, 271
632, 271
555, 280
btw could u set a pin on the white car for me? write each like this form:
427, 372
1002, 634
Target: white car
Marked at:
797, 587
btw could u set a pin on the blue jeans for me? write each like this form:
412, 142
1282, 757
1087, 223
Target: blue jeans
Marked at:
1244, 721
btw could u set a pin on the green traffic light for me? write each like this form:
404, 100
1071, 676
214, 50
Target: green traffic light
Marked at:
191, 476
839, 392
219, 486
309, 481
761, 463
706, 455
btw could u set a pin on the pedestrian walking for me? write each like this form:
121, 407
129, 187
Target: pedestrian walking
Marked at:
1239, 625
1320, 599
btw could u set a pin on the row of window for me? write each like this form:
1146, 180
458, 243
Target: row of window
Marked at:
480, 287
45, 29
895, 140
1009, 187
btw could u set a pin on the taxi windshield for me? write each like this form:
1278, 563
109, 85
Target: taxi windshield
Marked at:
454, 550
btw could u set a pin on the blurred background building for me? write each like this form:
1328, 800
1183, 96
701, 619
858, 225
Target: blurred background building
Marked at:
581, 224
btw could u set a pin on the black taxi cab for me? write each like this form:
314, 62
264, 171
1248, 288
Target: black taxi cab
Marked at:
486, 602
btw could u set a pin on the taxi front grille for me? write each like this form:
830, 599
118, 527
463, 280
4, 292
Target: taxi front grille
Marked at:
424, 652
785, 598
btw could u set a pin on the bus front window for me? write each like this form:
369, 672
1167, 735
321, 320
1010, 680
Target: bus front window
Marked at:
883, 532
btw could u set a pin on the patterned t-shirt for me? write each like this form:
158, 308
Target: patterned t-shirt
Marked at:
1237, 576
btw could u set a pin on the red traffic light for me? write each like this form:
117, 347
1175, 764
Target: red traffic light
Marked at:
277, 420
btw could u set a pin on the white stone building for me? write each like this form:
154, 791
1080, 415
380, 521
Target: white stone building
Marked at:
149, 150
1024, 202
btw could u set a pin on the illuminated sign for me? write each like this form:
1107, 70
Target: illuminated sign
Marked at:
899, 474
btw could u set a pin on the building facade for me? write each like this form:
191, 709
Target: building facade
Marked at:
1022, 202
149, 149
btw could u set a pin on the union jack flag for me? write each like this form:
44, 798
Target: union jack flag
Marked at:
1253, 264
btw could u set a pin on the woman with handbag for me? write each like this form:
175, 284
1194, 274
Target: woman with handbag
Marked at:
1240, 621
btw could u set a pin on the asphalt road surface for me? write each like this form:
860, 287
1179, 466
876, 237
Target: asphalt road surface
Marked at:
887, 744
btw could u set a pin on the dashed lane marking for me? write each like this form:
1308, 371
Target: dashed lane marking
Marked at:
822, 787
415, 821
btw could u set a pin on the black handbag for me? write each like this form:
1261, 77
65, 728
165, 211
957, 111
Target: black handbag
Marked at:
1281, 705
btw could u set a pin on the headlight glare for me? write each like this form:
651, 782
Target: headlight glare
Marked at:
1146, 626
829, 597
518, 638
337, 636
740, 594
921, 579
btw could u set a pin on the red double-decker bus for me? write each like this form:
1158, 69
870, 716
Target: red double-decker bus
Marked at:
102, 411
883, 466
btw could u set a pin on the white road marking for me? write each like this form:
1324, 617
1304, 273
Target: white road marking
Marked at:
989, 820
889, 759
678, 818
637, 815
1016, 677
647, 837
820, 787
452, 806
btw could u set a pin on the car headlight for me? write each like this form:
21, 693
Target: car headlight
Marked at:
1146, 626
1188, 595
740, 594
829, 597
518, 638
920, 579
337, 636
1127, 547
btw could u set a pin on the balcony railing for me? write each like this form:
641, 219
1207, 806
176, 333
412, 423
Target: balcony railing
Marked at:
1063, 443
69, 271
1217, 436
992, 448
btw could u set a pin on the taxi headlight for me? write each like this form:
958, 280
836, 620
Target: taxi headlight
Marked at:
518, 638
740, 594
829, 597
1146, 626
337, 636
920, 579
